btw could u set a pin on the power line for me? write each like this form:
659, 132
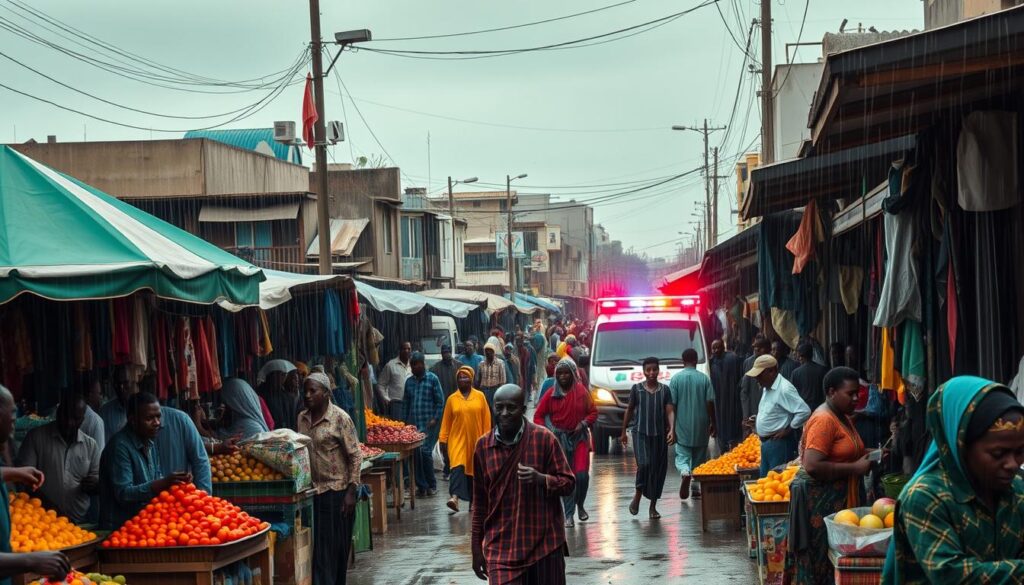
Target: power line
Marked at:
799, 35
576, 43
504, 28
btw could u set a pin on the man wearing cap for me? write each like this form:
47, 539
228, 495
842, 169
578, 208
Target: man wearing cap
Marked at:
780, 416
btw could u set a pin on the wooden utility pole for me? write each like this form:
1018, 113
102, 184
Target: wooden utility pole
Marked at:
320, 140
714, 199
451, 212
767, 94
508, 240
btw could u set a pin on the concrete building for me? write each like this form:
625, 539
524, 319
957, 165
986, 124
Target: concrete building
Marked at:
249, 203
365, 206
484, 213
794, 86
942, 12
426, 240
569, 242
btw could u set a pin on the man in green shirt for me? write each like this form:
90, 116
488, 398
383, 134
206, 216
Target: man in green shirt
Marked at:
692, 410
960, 519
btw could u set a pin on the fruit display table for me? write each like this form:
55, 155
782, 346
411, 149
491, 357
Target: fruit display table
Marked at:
187, 565
720, 499
770, 521
400, 452
83, 557
856, 570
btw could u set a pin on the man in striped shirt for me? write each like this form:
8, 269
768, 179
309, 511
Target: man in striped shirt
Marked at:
520, 476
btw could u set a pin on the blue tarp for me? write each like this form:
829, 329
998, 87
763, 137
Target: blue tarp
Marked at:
527, 301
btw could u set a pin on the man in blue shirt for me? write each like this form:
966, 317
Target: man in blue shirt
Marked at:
130, 473
692, 411
781, 415
469, 357
424, 405
179, 447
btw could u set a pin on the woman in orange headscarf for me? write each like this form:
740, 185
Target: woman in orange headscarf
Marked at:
466, 418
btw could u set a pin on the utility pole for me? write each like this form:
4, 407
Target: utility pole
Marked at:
451, 212
708, 215
508, 239
320, 140
714, 200
767, 95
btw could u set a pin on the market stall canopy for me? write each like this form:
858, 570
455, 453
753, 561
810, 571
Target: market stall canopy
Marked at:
490, 303
899, 87
278, 287
64, 240
410, 303
838, 175
681, 282
537, 302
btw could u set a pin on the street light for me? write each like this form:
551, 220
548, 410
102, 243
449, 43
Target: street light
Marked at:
451, 210
508, 247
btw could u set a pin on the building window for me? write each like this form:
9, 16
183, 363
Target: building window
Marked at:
502, 205
412, 237
388, 234
253, 234
483, 262
529, 241
476, 204
446, 240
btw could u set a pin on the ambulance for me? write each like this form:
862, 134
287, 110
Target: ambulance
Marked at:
629, 329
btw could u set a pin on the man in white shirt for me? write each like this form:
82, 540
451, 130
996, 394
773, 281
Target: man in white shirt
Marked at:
780, 416
392, 381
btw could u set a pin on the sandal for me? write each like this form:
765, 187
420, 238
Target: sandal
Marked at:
634, 508
654, 515
583, 515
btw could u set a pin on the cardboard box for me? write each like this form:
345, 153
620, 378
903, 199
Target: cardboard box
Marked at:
293, 559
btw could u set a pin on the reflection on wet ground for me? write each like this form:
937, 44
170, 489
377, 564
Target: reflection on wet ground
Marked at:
431, 547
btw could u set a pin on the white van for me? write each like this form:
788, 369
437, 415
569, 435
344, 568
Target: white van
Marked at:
442, 332
629, 329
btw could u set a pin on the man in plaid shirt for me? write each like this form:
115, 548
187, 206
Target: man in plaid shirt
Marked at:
424, 405
520, 476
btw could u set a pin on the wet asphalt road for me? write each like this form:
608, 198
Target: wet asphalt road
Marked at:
431, 547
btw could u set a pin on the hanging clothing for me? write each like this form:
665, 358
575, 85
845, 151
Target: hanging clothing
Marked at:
851, 281
83, 339
265, 347
912, 368
164, 377
140, 337
801, 245
901, 295
726, 374
986, 162
185, 356
211, 342
121, 313
246, 413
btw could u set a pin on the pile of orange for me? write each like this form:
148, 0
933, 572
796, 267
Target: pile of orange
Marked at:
775, 487
34, 528
185, 516
375, 420
239, 467
746, 455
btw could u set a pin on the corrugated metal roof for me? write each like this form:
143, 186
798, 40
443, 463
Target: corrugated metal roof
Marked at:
254, 139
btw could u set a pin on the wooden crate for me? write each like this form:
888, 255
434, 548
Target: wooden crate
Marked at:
771, 523
293, 559
720, 499
856, 570
378, 502
186, 565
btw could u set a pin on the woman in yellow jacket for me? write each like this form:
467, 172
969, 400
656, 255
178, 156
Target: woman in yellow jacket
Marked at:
466, 418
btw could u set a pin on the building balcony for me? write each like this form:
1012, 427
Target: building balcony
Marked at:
287, 258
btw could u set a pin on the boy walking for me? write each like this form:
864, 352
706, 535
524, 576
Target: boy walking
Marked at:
649, 401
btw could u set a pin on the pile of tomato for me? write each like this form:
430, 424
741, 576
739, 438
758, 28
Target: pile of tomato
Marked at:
185, 516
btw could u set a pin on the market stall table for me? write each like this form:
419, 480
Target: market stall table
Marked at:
771, 526
187, 565
400, 452
721, 499
83, 557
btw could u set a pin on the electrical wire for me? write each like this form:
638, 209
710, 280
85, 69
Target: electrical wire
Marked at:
799, 36
576, 43
504, 28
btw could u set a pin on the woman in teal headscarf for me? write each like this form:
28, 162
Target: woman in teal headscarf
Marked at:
960, 519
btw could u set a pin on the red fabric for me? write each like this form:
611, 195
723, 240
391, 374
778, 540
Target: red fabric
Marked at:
121, 325
516, 525
309, 113
801, 245
568, 412
164, 379
211, 341
267, 418
204, 371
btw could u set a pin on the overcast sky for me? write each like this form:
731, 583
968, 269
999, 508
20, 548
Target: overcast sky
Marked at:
596, 115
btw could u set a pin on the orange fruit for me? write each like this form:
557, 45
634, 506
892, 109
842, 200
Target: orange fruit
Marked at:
890, 519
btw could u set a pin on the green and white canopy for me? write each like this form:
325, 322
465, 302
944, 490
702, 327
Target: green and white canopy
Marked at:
64, 240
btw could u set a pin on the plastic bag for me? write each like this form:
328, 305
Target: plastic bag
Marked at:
283, 450
854, 541
714, 451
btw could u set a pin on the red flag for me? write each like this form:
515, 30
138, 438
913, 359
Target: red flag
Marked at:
309, 114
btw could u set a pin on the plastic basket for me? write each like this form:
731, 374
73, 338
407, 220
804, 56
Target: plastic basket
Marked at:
854, 541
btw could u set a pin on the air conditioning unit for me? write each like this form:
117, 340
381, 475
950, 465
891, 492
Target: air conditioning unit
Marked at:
335, 132
284, 132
